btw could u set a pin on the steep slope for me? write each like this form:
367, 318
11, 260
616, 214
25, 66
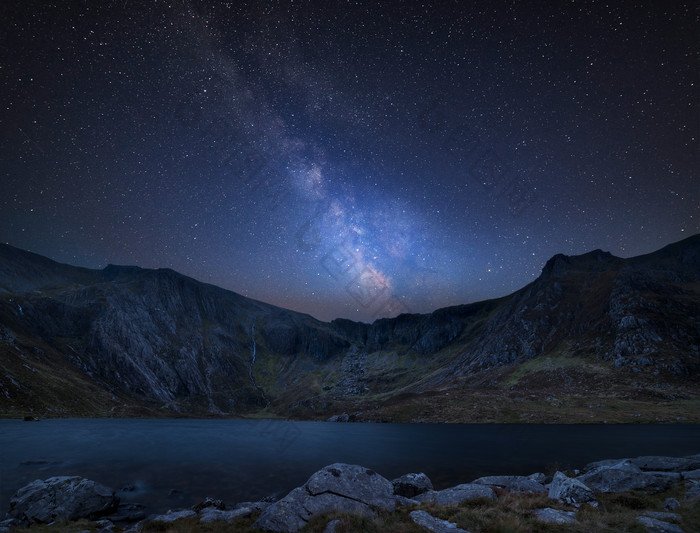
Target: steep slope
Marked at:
126, 340
152, 335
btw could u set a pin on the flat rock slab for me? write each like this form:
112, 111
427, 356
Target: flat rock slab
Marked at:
666, 464
457, 495
63, 498
556, 516
433, 524
171, 516
653, 463
518, 484
625, 476
658, 526
666, 517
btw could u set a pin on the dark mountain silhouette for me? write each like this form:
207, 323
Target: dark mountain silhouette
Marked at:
131, 341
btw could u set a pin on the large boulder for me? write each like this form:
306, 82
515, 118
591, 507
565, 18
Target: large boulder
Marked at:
625, 476
410, 485
570, 490
60, 499
337, 487
457, 495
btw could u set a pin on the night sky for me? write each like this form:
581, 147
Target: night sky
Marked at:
346, 159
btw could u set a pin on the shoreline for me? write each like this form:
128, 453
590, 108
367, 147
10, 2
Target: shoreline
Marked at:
649, 491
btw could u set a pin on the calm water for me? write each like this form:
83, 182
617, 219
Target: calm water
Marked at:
176, 463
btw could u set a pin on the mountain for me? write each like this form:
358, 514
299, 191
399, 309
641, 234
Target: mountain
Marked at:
594, 337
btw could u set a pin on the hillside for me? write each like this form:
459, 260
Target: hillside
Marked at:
593, 338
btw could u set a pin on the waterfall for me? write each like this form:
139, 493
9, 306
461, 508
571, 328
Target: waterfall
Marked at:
250, 369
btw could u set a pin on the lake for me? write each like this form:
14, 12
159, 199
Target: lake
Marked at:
167, 464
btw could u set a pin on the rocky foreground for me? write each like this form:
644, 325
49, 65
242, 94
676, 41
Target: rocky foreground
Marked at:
356, 491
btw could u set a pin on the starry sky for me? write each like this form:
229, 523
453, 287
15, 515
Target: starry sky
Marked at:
348, 159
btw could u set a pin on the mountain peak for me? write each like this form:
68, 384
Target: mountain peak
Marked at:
594, 260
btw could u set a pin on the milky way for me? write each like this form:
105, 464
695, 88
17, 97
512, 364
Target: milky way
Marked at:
344, 159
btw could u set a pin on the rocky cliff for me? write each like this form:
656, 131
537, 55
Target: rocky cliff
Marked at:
126, 340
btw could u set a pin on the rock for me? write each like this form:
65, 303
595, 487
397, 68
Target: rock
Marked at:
539, 477
518, 484
337, 487
209, 502
570, 490
457, 495
331, 526
691, 474
604, 462
171, 516
666, 464
525, 486
658, 526
340, 418
212, 514
655, 463
353, 481
693, 494
402, 501
63, 498
666, 517
128, 512
411, 485
671, 504
625, 476
105, 526
255, 507
556, 516
293, 511
497, 481
6, 526
433, 524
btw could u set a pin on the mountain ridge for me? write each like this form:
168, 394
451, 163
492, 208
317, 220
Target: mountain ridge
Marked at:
128, 340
